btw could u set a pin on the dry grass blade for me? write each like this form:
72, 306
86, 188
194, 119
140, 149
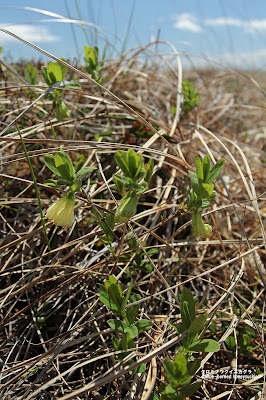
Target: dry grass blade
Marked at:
56, 342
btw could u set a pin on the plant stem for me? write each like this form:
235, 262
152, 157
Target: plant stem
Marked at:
36, 189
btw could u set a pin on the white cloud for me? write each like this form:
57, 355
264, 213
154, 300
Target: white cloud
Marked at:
251, 26
187, 22
223, 22
31, 33
255, 25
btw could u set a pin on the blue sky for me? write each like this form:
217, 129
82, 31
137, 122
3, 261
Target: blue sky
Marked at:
231, 32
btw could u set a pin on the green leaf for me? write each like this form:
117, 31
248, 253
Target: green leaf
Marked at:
121, 160
72, 85
169, 368
76, 186
203, 190
195, 327
189, 390
54, 73
187, 304
64, 70
83, 171
116, 298
199, 168
63, 182
173, 110
31, 74
146, 267
112, 281
141, 172
186, 316
125, 300
50, 182
61, 110
208, 187
251, 331
206, 164
193, 366
109, 218
194, 179
104, 296
149, 169
119, 184
91, 57
123, 179
152, 251
45, 76
191, 96
127, 343
132, 311
143, 325
170, 393
115, 342
244, 341
106, 300
203, 203
179, 328
154, 396
180, 362
117, 325
111, 295
132, 331
132, 242
176, 371
141, 188
132, 162
205, 345
230, 342
215, 171
107, 239
79, 163
64, 165
135, 165
213, 328
49, 161
140, 369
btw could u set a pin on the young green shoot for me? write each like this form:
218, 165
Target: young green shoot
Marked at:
62, 211
190, 96
92, 64
181, 370
127, 325
132, 184
202, 194
54, 75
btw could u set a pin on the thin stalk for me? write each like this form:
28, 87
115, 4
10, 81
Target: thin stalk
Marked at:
82, 27
127, 30
54, 133
73, 32
36, 189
